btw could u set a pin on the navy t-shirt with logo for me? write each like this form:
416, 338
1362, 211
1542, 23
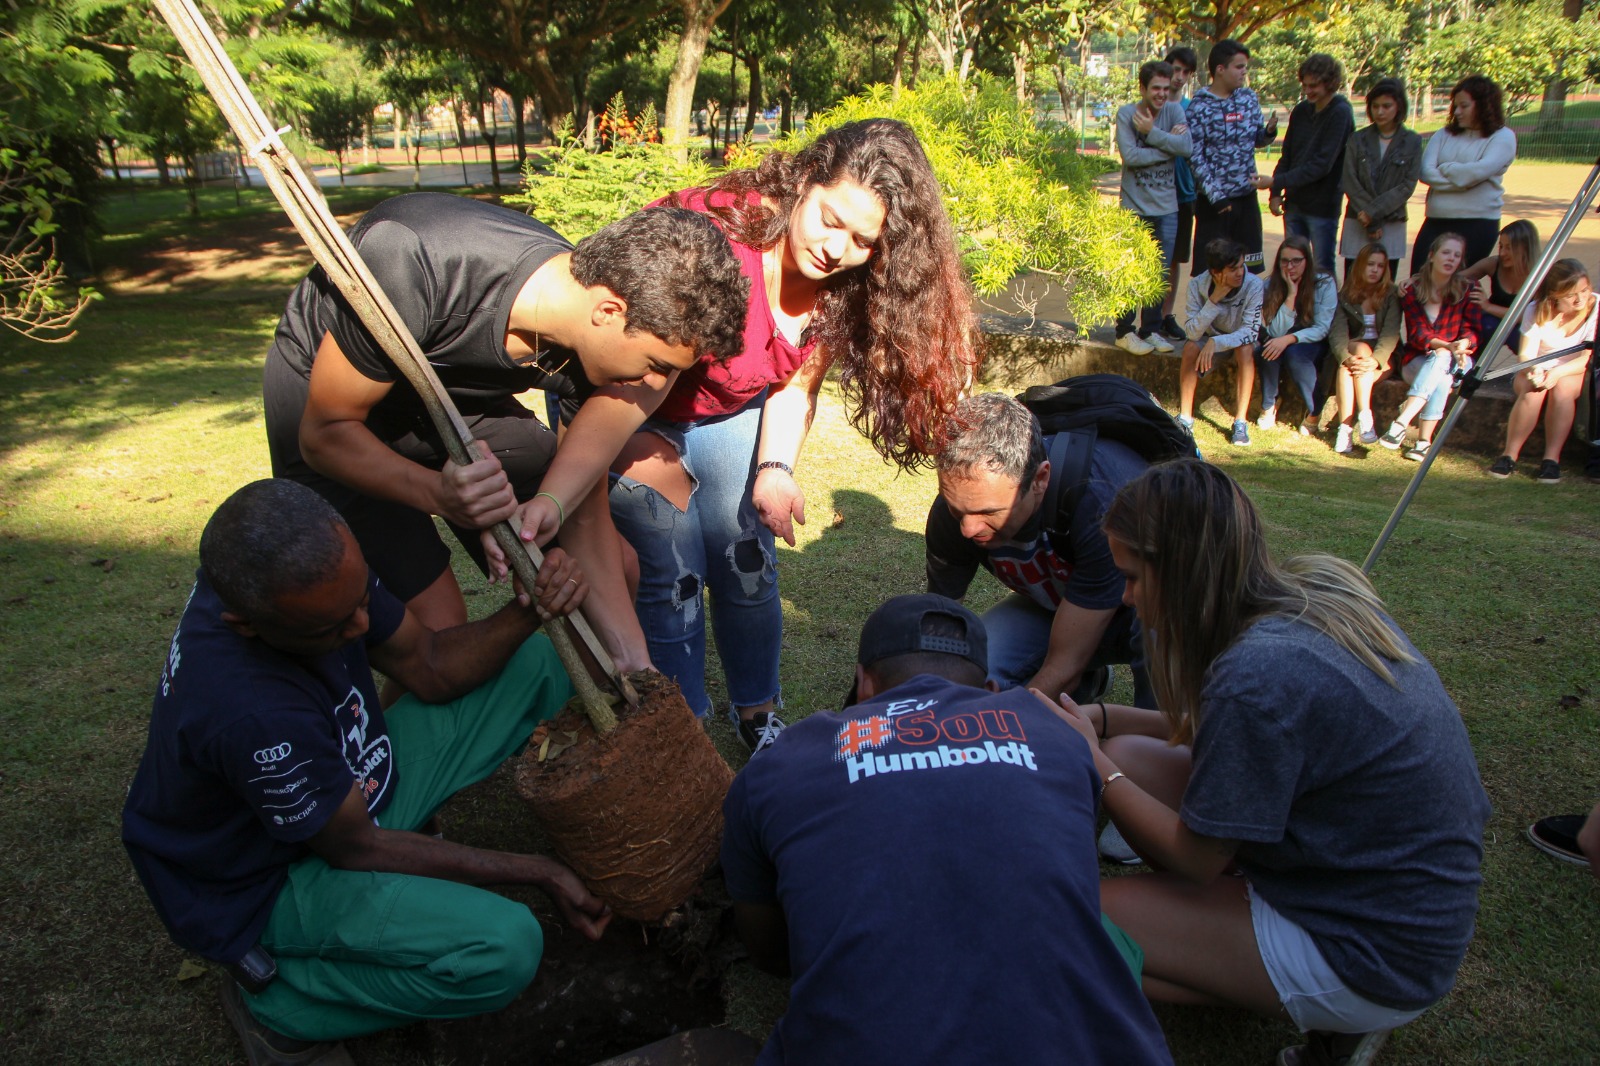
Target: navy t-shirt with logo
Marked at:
933, 853
251, 751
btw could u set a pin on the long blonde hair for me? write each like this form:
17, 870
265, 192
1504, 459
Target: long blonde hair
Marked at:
1209, 578
1455, 290
1562, 278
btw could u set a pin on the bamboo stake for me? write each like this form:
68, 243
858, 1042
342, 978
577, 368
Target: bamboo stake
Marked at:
302, 201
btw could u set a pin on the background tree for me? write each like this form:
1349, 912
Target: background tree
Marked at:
335, 118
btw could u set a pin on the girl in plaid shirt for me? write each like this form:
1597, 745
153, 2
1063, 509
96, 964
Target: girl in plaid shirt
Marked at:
1442, 327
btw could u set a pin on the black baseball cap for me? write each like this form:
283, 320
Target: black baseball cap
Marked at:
895, 628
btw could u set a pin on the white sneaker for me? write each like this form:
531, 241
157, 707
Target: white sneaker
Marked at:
1342, 443
1113, 848
1158, 343
1268, 419
1134, 344
1364, 424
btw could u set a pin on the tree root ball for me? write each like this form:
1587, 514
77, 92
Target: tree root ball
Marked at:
637, 813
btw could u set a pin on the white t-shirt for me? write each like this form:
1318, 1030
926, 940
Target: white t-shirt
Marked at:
1543, 338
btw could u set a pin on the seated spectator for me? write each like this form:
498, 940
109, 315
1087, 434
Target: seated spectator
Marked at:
1295, 316
1563, 316
253, 819
1507, 270
1305, 183
1222, 315
863, 841
1003, 506
1303, 742
1151, 136
1363, 337
1442, 332
1381, 164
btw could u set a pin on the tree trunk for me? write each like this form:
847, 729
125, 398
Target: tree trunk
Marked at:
339, 160
416, 152
163, 171
1552, 109
899, 61
191, 185
1019, 72
519, 125
754, 65
366, 141
698, 18
1060, 75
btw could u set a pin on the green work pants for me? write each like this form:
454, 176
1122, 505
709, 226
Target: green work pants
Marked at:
359, 951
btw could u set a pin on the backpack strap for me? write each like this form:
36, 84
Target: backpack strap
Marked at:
1069, 454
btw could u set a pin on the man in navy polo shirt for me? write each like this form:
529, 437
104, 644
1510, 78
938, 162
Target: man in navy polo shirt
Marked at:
923, 864
272, 819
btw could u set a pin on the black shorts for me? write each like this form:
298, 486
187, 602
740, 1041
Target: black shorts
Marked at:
1237, 218
1184, 245
401, 544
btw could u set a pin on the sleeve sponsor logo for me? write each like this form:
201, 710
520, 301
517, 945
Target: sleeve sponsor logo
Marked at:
291, 819
370, 758
276, 753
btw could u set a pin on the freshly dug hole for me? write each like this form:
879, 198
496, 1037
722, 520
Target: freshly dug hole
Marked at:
637, 813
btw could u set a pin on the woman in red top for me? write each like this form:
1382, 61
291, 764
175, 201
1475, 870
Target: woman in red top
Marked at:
1442, 325
852, 262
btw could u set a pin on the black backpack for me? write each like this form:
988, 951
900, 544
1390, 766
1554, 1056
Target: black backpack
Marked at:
1081, 410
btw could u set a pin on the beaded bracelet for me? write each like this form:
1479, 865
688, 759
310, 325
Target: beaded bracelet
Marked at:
773, 464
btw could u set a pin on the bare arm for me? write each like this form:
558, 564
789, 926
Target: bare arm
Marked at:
335, 440
350, 841
785, 421
444, 665
1153, 829
1075, 633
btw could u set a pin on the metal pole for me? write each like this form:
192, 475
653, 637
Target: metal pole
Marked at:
1479, 374
302, 201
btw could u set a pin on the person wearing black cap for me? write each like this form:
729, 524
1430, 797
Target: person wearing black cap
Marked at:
923, 864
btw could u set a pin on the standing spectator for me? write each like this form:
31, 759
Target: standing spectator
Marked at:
1305, 183
1442, 332
1184, 63
1226, 129
1564, 316
1463, 166
1381, 164
1295, 316
1150, 135
1507, 270
1365, 331
1222, 314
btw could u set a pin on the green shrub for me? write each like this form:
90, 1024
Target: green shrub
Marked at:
1020, 196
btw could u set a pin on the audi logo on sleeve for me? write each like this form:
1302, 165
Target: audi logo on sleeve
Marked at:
273, 754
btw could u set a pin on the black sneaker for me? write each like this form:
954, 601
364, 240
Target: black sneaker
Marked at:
1172, 329
265, 1047
1503, 467
760, 731
1557, 835
1549, 472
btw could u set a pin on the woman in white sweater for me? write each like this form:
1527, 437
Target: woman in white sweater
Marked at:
1463, 166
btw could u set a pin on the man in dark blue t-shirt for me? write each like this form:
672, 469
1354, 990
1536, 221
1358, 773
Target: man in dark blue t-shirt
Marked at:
923, 864
276, 804
1065, 621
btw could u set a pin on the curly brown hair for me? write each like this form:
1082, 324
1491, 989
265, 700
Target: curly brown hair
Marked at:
900, 329
1485, 94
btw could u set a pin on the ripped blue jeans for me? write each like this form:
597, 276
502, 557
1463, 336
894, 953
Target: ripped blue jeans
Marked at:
718, 545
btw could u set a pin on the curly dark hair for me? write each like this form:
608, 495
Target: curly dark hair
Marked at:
270, 538
900, 329
678, 274
1486, 95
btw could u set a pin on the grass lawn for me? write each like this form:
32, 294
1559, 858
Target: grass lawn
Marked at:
115, 448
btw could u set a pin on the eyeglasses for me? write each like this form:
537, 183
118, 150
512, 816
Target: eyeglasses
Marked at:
1296, 261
